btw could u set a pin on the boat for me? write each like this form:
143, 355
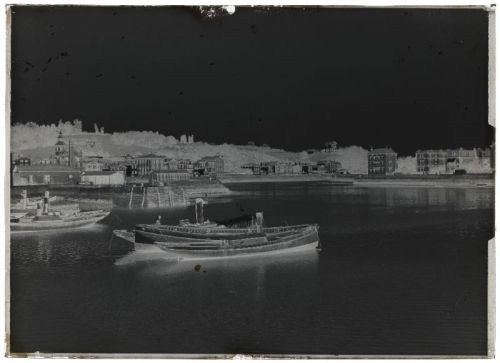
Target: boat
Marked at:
206, 239
25, 218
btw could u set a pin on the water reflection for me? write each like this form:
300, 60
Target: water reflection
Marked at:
158, 263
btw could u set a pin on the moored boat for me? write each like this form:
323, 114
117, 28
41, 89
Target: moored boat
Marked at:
44, 218
205, 239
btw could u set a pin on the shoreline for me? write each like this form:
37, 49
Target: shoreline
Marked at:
242, 178
471, 180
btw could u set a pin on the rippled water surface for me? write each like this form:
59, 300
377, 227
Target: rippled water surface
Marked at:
402, 271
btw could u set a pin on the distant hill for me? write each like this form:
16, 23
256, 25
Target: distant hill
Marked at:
37, 142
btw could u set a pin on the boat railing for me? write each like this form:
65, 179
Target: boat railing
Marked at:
208, 230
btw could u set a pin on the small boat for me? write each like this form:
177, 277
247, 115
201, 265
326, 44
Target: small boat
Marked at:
205, 239
44, 218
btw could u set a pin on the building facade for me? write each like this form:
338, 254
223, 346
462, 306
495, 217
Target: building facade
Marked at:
160, 177
330, 146
146, 164
93, 165
450, 161
209, 165
382, 161
45, 175
103, 177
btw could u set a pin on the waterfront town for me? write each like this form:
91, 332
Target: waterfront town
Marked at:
69, 165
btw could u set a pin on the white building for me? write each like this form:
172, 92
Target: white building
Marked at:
116, 177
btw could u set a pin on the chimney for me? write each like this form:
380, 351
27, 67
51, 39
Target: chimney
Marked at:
24, 194
46, 202
199, 210
259, 221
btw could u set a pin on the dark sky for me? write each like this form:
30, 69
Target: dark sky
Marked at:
291, 78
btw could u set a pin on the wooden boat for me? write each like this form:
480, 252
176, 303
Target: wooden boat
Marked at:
205, 239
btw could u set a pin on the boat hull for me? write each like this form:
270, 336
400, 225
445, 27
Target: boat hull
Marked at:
302, 240
76, 222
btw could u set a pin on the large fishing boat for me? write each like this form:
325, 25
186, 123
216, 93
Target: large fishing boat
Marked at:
206, 239
38, 215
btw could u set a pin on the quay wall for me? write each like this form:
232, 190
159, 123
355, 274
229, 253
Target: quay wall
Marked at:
134, 196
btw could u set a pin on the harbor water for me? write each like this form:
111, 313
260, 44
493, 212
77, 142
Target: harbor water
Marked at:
403, 270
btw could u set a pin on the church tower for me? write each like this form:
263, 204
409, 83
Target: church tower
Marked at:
60, 150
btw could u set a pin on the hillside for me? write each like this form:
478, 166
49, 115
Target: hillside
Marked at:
37, 142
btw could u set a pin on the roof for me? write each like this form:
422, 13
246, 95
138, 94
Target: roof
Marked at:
150, 156
60, 142
210, 158
183, 171
382, 150
97, 173
46, 168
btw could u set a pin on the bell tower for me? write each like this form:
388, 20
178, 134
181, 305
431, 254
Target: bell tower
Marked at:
60, 149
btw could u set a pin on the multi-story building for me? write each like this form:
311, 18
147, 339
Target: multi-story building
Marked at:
382, 161
431, 161
209, 165
330, 146
146, 164
185, 164
329, 166
450, 160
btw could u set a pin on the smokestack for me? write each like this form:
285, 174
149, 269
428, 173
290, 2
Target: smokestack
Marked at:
24, 194
259, 221
46, 202
199, 210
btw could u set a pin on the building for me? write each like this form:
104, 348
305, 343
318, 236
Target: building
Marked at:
45, 175
21, 161
273, 167
330, 166
93, 165
209, 165
65, 153
111, 177
431, 161
270, 167
146, 164
449, 160
185, 164
330, 146
160, 177
254, 167
382, 161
